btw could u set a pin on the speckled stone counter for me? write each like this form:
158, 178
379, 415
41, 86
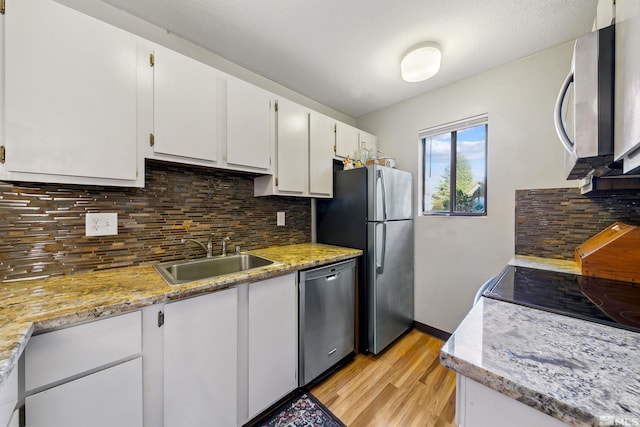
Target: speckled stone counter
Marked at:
40, 305
582, 373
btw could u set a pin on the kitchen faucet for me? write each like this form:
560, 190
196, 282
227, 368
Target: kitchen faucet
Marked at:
224, 245
208, 248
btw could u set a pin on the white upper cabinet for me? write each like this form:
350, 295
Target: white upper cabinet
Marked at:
185, 108
69, 101
346, 140
291, 152
292, 147
369, 142
304, 147
604, 14
627, 85
321, 142
248, 123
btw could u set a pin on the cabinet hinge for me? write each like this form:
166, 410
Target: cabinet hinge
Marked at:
275, 105
160, 319
2, 154
151, 140
151, 60
22, 417
2, 5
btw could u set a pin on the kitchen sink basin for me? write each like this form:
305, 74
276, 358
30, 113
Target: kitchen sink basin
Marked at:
178, 272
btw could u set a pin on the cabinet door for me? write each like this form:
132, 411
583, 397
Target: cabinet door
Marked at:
8, 397
15, 419
346, 140
248, 125
273, 343
185, 106
627, 84
370, 142
111, 397
321, 142
70, 97
479, 405
70, 352
200, 360
292, 147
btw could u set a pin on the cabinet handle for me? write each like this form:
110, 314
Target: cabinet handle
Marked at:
160, 319
333, 351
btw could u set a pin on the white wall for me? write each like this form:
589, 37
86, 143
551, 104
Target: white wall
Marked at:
455, 255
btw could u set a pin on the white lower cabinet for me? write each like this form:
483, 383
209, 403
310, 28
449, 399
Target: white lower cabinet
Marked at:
273, 342
107, 398
215, 359
200, 360
15, 419
480, 406
89, 374
9, 398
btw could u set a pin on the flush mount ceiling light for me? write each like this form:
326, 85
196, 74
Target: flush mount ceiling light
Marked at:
420, 62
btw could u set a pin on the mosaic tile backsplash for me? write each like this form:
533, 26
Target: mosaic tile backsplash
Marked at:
42, 226
550, 223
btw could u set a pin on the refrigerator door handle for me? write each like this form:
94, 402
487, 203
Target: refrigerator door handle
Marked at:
380, 266
384, 195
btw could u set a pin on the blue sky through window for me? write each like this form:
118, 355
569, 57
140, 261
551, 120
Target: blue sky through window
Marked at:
471, 142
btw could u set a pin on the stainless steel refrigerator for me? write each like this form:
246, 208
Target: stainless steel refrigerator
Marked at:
372, 210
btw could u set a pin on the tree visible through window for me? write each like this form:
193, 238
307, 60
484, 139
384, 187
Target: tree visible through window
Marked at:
454, 169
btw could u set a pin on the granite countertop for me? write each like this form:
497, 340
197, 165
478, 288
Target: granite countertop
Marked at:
44, 304
580, 372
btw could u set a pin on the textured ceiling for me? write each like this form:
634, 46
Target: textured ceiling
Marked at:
346, 53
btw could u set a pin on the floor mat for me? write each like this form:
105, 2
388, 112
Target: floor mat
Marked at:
302, 411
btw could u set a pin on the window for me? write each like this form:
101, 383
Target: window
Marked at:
454, 168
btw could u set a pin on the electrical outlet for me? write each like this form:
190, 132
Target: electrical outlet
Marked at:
101, 224
280, 219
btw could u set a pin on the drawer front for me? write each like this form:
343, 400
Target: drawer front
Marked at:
61, 354
8, 397
108, 398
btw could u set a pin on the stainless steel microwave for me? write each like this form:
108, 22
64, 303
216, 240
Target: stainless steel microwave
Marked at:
590, 150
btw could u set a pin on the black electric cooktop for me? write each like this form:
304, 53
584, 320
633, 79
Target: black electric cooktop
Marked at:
610, 302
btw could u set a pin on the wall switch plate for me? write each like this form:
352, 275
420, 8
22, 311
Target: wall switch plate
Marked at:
280, 219
101, 224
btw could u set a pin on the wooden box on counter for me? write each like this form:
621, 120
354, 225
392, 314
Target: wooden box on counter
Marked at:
614, 253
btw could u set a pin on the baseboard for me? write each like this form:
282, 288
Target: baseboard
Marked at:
430, 330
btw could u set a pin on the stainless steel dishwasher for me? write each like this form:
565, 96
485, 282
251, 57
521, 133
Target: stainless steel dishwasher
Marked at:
326, 318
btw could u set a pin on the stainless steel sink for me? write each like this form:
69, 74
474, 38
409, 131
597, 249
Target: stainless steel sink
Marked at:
178, 272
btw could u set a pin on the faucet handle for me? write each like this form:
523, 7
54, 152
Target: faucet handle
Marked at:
237, 249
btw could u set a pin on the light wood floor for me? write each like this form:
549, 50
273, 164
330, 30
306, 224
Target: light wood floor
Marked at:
403, 386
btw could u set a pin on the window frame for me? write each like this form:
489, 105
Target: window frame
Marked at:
453, 128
